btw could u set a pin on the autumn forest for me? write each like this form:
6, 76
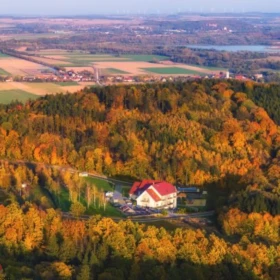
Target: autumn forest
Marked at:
220, 136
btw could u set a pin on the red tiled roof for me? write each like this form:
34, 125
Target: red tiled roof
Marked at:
163, 188
141, 185
153, 195
134, 187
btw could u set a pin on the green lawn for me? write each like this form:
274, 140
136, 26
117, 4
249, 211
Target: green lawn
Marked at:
64, 204
110, 211
7, 96
4, 73
100, 184
172, 71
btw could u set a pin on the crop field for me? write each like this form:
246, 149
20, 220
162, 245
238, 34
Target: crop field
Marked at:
81, 59
3, 72
7, 96
29, 36
147, 68
108, 64
113, 71
21, 67
67, 84
172, 71
24, 91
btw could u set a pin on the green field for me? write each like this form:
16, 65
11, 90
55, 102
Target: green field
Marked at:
47, 87
87, 59
7, 96
210, 68
81, 59
172, 71
4, 73
145, 57
115, 71
110, 211
67, 84
100, 184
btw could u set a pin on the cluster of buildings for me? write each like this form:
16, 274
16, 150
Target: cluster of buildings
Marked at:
55, 76
157, 194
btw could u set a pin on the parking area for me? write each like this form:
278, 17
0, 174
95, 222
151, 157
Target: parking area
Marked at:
129, 209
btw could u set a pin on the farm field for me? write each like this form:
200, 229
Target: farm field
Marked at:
145, 68
112, 71
81, 59
8, 21
172, 71
19, 67
23, 91
107, 64
4, 73
7, 96
29, 36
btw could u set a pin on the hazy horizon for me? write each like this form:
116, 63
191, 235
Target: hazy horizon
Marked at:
110, 7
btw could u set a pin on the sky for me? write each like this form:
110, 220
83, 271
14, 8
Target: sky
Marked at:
91, 7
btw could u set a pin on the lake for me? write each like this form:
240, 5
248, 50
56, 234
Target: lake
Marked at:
235, 48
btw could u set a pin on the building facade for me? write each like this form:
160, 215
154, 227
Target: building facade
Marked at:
154, 194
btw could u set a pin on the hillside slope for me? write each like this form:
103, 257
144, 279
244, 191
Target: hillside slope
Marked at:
197, 133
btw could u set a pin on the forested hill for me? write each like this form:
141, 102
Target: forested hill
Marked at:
197, 133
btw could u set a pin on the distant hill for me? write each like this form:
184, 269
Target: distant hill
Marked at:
197, 133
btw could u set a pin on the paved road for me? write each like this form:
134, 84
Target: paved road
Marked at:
142, 219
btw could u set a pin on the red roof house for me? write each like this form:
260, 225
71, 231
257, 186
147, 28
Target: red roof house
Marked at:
154, 194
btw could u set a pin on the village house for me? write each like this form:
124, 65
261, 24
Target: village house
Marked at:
154, 194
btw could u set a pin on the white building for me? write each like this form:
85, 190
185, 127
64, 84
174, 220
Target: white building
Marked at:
154, 194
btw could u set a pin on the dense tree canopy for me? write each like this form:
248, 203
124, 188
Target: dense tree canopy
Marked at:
35, 244
196, 133
222, 136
